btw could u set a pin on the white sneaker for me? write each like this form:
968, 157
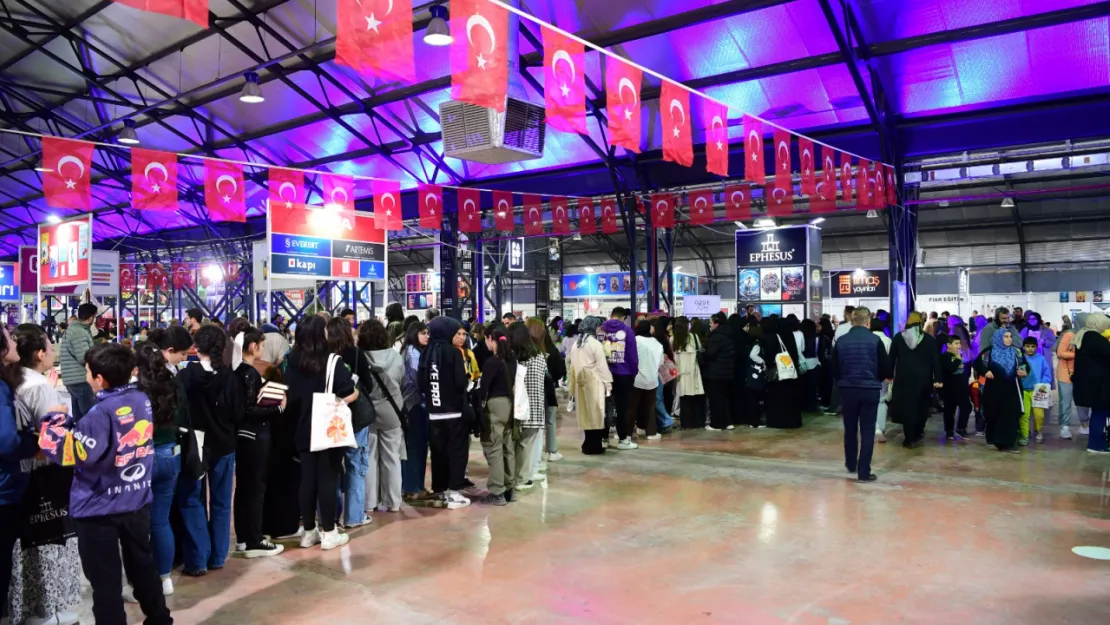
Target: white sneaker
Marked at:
365, 521
294, 536
331, 540
730, 427
309, 538
68, 618
879, 436
455, 500
240, 546
1040, 437
1096, 451
554, 457
627, 444
1065, 433
167, 586
640, 432
263, 549
654, 437
710, 428
1084, 430
129, 594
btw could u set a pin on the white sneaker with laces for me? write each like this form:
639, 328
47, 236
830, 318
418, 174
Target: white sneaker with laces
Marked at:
627, 444
1096, 451
654, 437
554, 457
331, 540
1065, 433
167, 586
455, 500
310, 538
1084, 430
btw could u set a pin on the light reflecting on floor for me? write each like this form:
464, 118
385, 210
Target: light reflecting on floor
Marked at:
768, 521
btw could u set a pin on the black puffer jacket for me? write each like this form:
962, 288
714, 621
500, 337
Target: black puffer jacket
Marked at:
1091, 378
720, 354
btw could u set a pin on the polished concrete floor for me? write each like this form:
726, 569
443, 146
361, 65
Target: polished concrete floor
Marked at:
746, 527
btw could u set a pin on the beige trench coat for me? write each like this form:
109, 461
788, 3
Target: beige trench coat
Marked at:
590, 381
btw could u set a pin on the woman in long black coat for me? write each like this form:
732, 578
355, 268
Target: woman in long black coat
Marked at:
741, 349
916, 362
1003, 365
783, 403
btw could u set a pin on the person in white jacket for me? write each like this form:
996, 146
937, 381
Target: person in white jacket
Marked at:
880, 422
650, 354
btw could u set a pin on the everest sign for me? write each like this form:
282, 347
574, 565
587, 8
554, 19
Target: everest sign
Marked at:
325, 244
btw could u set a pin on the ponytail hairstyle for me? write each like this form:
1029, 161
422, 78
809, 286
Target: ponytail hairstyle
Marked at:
501, 347
157, 382
211, 341
253, 336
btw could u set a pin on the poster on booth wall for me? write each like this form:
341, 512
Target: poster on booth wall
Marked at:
325, 244
64, 252
9, 282
794, 284
770, 284
105, 272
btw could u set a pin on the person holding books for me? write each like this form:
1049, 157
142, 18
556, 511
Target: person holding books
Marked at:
252, 449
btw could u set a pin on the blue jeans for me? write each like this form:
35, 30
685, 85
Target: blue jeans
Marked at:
1068, 407
663, 417
1097, 438
82, 397
414, 469
166, 467
861, 407
356, 463
207, 529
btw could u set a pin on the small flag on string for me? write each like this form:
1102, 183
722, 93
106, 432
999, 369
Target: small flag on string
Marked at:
67, 183
503, 219
560, 217
753, 150
564, 89
533, 214
224, 192
678, 144
431, 205
387, 205
586, 221
622, 98
479, 53
738, 202
286, 187
470, 210
153, 180
701, 207
662, 210
716, 138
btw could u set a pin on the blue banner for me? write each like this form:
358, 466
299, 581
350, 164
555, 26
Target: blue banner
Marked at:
371, 270
302, 246
617, 284
301, 265
9, 282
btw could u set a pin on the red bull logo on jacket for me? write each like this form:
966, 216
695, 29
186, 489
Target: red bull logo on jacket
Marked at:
139, 435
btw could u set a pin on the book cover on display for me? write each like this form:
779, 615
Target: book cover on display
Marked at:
748, 285
770, 284
793, 284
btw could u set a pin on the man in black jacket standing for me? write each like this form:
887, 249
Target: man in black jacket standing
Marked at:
860, 364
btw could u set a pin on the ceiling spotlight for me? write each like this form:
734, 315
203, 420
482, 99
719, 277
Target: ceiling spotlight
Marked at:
818, 220
53, 219
765, 222
677, 268
127, 136
589, 269
1007, 202
251, 93
437, 33
577, 236
431, 270
872, 214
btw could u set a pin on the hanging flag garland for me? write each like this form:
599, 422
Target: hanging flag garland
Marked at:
479, 53
678, 144
153, 180
503, 219
622, 93
225, 191
67, 182
564, 63
195, 11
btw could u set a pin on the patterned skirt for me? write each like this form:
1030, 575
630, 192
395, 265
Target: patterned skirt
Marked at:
45, 580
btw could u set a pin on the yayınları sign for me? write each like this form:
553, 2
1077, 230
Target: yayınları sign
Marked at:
64, 252
860, 283
325, 244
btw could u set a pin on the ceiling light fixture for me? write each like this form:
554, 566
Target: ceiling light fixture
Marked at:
53, 219
437, 33
740, 225
128, 136
589, 269
818, 220
251, 93
677, 268
765, 222
1007, 202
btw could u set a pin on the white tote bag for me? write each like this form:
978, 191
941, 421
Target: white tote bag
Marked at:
1042, 395
331, 416
784, 364
521, 408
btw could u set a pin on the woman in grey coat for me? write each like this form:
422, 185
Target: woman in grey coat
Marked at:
383, 480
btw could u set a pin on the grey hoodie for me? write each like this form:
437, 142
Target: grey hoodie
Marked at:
391, 369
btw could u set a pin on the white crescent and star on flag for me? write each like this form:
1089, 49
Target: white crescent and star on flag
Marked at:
732, 197
373, 23
468, 208
234, 187
281, 193
755, 144
628, 110
481, 22
676, 104
563, 55
392, 203
71, 183
430, 200
156, 166
782, 147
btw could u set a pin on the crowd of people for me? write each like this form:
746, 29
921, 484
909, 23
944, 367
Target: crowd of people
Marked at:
164, 445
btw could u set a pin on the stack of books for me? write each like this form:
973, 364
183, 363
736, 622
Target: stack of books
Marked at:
271, 394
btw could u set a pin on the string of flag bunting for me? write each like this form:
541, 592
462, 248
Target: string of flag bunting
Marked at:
375, 37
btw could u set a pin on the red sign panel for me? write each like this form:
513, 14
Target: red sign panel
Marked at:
325, 224
65, 252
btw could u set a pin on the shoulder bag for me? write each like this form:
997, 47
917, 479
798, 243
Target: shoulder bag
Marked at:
362, 409
331, 416
784, 365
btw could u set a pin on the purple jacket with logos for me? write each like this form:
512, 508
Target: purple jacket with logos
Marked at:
111, 449
620, 347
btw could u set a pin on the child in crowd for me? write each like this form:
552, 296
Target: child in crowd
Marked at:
956, 392
113, 452
1040, 372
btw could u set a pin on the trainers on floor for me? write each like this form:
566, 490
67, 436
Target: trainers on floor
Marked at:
333, 539
297, 535
263, 549
494, 500
710, 428
310, 538
167, 586
980, 434
129, 594
1022, 442
529, 485
640, 432
1084, 430
879, 436
455, 500
554, 457
626, 444
1065, 433
1096, 451
730, 427
240, 546
365, 521
654, 437
1040, 437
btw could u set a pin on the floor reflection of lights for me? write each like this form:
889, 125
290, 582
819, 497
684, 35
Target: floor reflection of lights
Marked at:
768, 522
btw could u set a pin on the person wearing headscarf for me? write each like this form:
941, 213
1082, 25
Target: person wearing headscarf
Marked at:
1065, 368
1002, 365
443, 381
589, 382
1035, 327
916, 361
1091, 377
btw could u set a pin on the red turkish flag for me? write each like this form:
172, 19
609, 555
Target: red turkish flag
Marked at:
564, 87
878, 186
155, 275
780, 199
807, 155
67, 183
864, 193
891, 186
127, 277
738, 202
678, 143
224, 192
609, 215
387, 205
286, 187
783, 165
195, 11
479, 58
622, 99
827, 186
701, 207
753, 150
375, 37
533, 214
470, 210
560, 216
587, 223
503, 219
662, 210
824, 200
339, 191
431, 205
716, 138
846, 176
179, 272
153, 180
